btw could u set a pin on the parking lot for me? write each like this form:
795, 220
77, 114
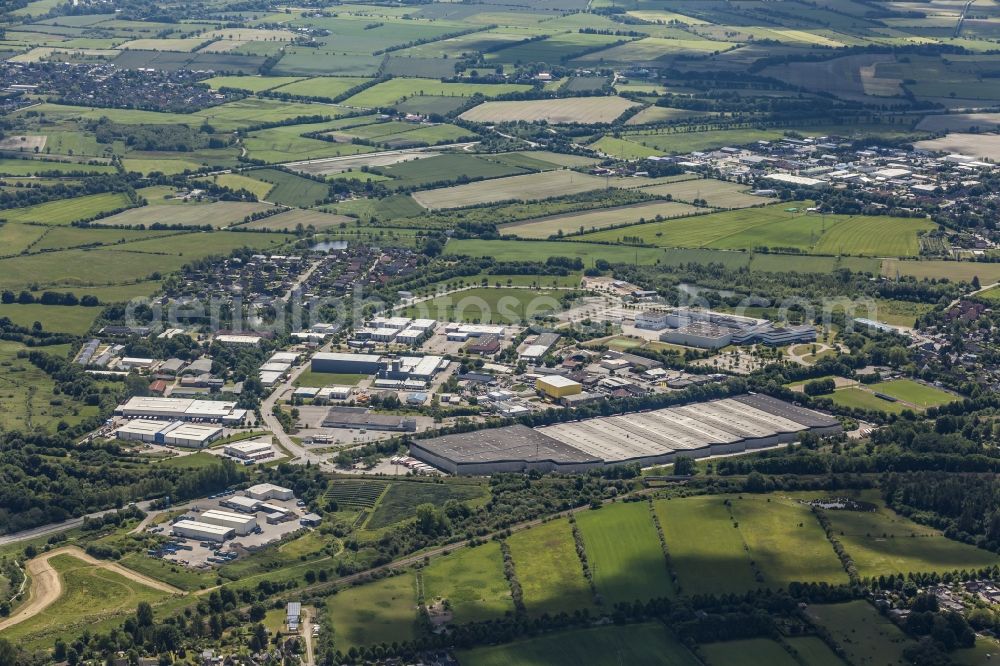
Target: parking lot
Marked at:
196, 553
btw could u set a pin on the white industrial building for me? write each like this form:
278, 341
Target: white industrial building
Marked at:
275, 366
241, 503
195, 529
250, 450
241, 524
182, 409
270, 378
652, 320
268, 491
170, 433
239, 340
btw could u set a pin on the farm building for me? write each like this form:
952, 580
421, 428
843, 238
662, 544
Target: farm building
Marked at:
241, 524
268, 491
730, 425
557, 386
249, 450
195, 529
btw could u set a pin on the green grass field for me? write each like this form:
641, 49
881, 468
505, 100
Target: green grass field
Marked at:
596, 219
633, 644
250, 83
58, 318
786, 542
402, 499
237, 181
217, 214
27, 395
512, 250
958, 271
529, 187
706, 549
549, 569
858, 398
65, 211
321, 379
291, 190
489, 305
90, 594
472, 581
379, 612
865, 636
813, 651
31, 167
392, 91
750, 652
916, 393
322, 86
624, 553
780, 226
883, 542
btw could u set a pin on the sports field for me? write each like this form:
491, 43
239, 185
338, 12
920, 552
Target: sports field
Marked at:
706, 547
858, 398
586, 110
549, 569
489, 305
631, 644
624, 553
529, 187
786, 542
865, 635
472, 581
66, 211
915, 393
379, 612
882, 543
780, 227
596, 219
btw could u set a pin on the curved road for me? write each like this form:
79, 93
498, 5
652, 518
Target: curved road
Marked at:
46, 584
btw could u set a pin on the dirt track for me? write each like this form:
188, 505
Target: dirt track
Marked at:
46, 585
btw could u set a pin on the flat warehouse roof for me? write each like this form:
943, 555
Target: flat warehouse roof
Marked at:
337, 356
194, 431
517, 442
633, 436
144, 427
207, 528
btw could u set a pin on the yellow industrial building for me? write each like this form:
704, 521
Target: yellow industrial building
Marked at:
557, 387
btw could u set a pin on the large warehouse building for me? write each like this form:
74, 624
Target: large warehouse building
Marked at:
195, 529
241, 524
182, 409
170, 433
730, 425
